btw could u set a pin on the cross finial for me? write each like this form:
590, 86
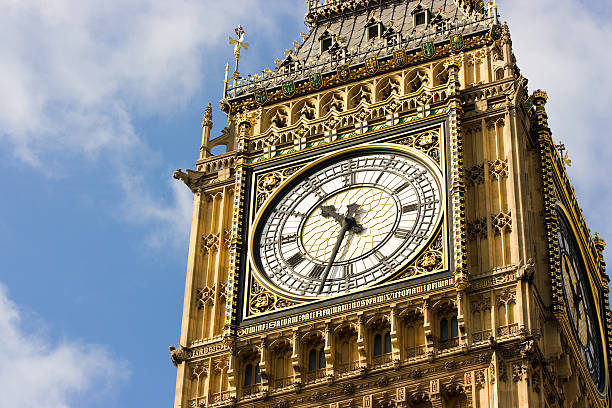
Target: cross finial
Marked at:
238, 45
564, 154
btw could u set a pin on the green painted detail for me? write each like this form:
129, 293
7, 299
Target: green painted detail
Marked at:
352, 134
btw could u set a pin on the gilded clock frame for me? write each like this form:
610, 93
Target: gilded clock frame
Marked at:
561, 313
251, 276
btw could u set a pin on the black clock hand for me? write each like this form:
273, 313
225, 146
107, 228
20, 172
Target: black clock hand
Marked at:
348, 223
345, 227
329, 211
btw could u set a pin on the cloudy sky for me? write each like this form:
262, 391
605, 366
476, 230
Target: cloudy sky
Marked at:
101, 101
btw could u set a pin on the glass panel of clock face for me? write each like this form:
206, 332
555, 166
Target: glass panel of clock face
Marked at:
348, 224
581, 311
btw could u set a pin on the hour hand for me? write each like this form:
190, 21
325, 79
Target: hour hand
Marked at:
329, 211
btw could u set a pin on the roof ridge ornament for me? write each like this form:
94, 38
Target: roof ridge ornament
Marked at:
238, 45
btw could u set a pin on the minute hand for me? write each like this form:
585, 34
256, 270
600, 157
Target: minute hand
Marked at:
348, 224
345, 227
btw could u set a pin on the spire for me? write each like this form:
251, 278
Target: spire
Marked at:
207, 125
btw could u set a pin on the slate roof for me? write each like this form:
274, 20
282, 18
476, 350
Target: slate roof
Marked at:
347, 27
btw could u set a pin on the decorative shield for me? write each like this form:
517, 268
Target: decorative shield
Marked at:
429, 49
344, 72
456, 41
316, 81
399, 58
372, 65
479, 5
289, 88
261, 95
496, 32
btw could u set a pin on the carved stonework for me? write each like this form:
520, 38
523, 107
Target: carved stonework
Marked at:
508, 295
427, 142
199, 370
498, 169
477, 229
177, 355
192, 179
482, 303
518, 372
475, 175
269, 182
479, 379
431, 260
503, 372
205, 295
209, 243
502, 223
263, 301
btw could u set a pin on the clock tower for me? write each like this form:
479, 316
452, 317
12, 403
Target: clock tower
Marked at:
391, 225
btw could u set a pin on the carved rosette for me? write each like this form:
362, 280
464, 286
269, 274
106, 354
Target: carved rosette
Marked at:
427, 142
269, 182
431, 260
262, 301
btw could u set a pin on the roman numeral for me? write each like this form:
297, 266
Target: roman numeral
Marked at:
350, 179
294, 213
402, 187
316, 272
347, 270
316, 189
288, 239
410, 208
295, 260
384, 261
380, 256
402, 233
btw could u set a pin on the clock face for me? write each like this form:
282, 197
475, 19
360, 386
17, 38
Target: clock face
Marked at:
581, 311
347, 222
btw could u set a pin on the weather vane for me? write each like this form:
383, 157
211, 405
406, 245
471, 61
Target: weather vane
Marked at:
238, 44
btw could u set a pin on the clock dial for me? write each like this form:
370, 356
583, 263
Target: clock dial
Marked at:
347, 222
581, 311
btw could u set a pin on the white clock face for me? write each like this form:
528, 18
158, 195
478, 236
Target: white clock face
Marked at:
347, 223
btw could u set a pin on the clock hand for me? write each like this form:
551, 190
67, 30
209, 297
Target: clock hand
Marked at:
329, 211
348, 223
350, 215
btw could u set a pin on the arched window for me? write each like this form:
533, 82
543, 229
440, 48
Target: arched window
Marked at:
454, 327
322, 362
312, 361
377, 345
248, 375
387, 342
257, 374
444, 329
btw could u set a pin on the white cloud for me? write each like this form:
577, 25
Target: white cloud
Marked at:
168, 220
34, 373
75, 76
561, 48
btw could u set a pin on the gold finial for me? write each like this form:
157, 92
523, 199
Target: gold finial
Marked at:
288, 53
303, 35
238, 44
564, 154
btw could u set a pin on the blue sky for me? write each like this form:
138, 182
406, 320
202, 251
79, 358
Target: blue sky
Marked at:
102, 101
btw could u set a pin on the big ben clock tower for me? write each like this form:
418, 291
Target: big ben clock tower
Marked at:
391, 225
